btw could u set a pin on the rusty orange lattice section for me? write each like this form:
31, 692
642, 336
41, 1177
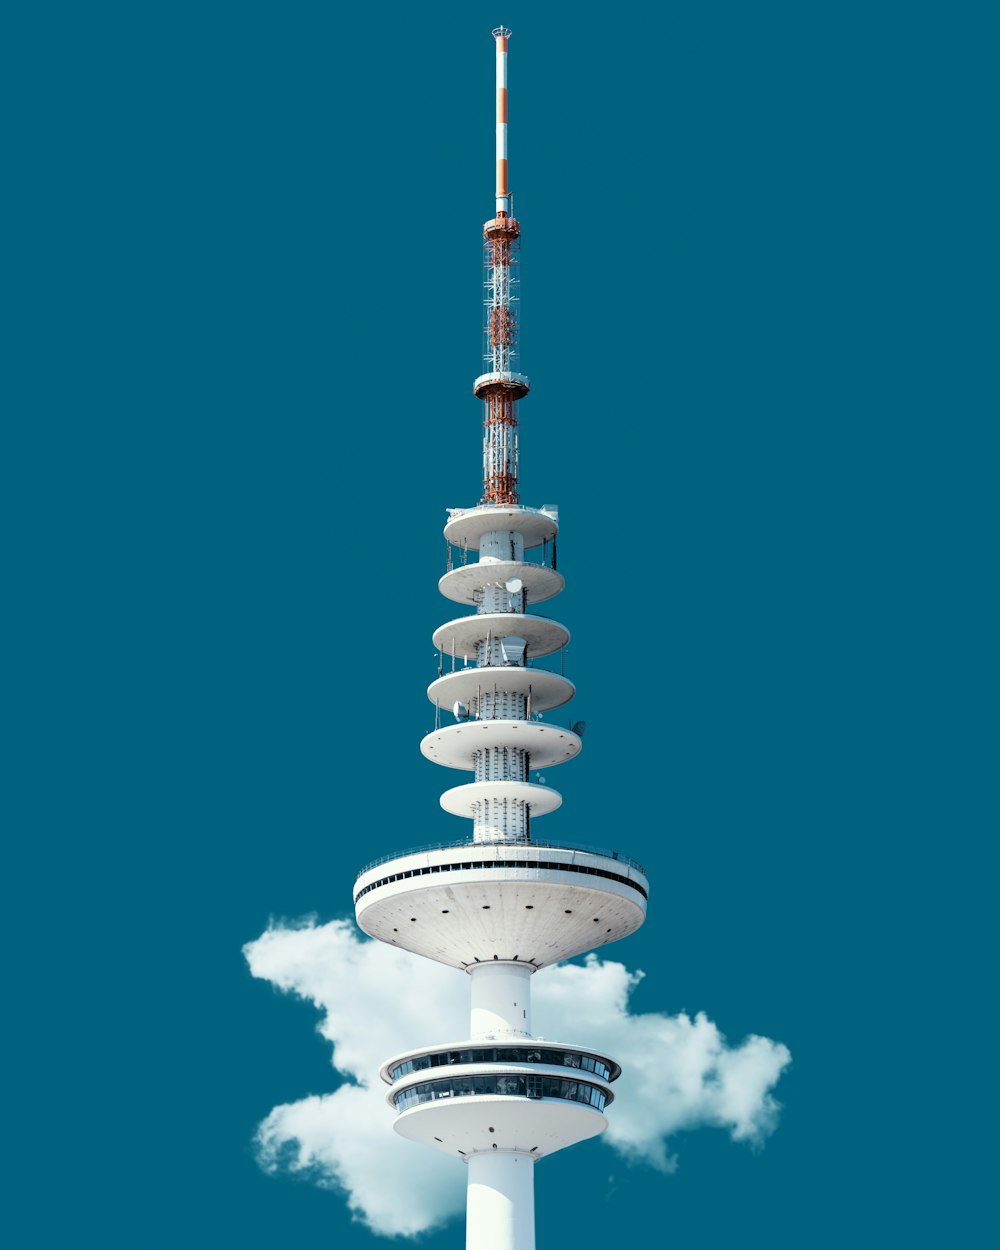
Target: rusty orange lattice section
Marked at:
499, 446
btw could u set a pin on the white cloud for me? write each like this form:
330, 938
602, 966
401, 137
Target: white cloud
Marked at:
677, 1073
376, 1000
344, 1140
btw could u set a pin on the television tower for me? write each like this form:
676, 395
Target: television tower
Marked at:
501, 904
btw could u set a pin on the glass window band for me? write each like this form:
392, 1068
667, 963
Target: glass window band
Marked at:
503, 1054
510, 1084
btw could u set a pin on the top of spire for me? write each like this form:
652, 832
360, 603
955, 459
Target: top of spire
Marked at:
502, 192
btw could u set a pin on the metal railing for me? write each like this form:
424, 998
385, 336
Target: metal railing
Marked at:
468, 844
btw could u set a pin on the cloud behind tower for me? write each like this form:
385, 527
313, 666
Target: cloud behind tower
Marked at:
679, 1072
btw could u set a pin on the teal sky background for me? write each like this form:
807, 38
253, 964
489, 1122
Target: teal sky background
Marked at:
759, 288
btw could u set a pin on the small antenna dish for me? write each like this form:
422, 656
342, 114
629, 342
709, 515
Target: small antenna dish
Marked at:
513, 584
460, 711
579, 728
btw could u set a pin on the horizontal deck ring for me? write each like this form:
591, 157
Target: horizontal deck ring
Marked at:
516, 384
464, 582
455, 745
547, 690
466, 526
461, 800
462, 636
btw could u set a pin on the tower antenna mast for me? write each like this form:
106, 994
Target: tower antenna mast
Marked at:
501, 386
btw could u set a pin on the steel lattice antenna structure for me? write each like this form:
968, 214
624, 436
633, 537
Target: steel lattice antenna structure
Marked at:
501, 904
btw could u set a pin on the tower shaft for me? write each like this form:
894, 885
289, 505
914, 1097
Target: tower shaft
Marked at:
500, 1202
500, 1189
501, 1000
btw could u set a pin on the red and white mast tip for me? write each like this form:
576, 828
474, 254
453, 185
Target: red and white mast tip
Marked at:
501, 35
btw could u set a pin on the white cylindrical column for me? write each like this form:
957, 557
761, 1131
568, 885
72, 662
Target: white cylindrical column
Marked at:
500, 820
501, 545
500, 1203
500, 764
501, 1000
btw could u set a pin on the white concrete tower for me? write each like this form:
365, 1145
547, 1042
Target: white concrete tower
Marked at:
500, 904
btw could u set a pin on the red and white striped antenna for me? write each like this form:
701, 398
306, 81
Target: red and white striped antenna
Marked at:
501, 35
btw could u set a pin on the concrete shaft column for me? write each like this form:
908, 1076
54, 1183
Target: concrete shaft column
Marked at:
500, 820
500, 1202
501, 545
495, 703
501, 764
501, 1000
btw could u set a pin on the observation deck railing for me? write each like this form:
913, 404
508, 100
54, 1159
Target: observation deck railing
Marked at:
468, 843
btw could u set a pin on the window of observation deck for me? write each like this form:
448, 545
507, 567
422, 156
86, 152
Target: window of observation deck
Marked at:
504, 1084
504, 1054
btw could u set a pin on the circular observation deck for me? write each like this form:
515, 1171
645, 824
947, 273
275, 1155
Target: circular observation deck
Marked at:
474, 1097
455, 745
462, 636
461, 800
462, 584
515, 901
581, 1059
465, 685
466, 526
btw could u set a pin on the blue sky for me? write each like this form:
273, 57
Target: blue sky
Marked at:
244, 276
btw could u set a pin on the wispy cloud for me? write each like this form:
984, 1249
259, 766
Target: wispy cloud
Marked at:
679, 1073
